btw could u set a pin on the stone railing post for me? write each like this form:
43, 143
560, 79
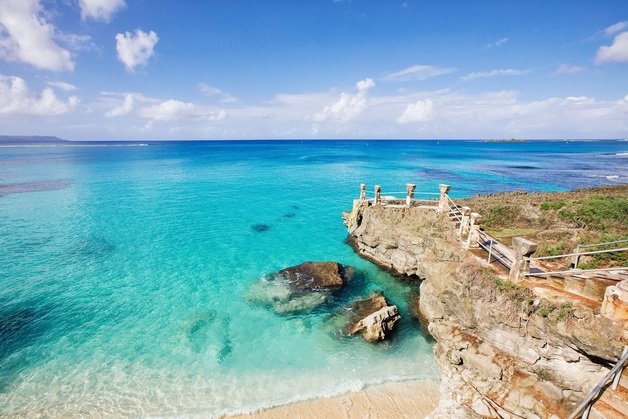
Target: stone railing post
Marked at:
378, 195
410, 188
362, 192
523, 250
466, 219
474, 230
443, 205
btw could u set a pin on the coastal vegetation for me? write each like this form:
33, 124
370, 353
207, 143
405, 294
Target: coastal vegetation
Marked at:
560, 221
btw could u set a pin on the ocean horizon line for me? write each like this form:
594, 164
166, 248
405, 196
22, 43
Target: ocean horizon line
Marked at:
54, 139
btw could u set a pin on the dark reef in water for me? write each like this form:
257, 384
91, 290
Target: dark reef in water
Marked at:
260, 228
289, 215
44, 185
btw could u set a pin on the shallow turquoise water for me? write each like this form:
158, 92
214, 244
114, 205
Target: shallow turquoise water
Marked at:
123, 270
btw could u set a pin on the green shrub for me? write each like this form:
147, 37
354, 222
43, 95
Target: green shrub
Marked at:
597, 212
553, 249
552, 205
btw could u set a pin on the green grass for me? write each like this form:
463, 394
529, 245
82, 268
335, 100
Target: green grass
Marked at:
553, 249
525, 298
552, 205
606, 259
597, 212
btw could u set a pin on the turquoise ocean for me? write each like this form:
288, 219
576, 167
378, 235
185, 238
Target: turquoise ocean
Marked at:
124, 266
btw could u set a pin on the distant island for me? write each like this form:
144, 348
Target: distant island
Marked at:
30, 139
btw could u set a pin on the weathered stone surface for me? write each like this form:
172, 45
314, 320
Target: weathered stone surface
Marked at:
371, 317
300, 288
378, 325
489, 343
315, 276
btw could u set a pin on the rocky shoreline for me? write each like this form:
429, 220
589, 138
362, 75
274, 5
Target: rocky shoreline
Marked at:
501, 349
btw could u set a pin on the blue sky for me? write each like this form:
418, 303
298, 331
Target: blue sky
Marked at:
153, 69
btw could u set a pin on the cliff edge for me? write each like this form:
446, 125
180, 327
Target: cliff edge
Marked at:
503, 350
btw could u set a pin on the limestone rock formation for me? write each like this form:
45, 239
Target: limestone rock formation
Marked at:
300, 288
315, 276
373, 318
378, 325
500, 356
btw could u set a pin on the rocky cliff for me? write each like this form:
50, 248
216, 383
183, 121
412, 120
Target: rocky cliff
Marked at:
502, 350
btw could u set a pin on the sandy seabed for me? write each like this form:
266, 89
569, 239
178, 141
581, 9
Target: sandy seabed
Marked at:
406, 399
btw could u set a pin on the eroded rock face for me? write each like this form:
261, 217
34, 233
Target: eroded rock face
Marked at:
491, 348
378, 325
301, 288
373, 318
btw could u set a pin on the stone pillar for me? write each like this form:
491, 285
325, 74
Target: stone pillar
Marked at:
474, 230
464, 224
410, 188
523, 250
615, 304
443, 205
362, 192
378, 195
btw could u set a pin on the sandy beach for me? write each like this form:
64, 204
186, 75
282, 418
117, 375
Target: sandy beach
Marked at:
407, 399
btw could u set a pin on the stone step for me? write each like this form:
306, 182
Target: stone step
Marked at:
603, 410
612, 403
574, 285
596, 287
556, 281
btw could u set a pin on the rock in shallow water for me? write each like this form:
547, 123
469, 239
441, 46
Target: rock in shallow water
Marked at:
316, 276
378, 325
300, 288
372, 317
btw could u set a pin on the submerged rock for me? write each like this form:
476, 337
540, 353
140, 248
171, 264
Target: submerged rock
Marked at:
260, 228
300, 288
209, 332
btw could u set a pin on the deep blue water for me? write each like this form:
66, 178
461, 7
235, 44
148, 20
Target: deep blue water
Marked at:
124, 268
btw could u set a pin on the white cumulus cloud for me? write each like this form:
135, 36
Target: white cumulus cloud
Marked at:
100, 9
616, 28
494, 73
26, 36
175, 110
617, 51
16, 98
419, 72
419, 111
127, 105
135, 48
348, 106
